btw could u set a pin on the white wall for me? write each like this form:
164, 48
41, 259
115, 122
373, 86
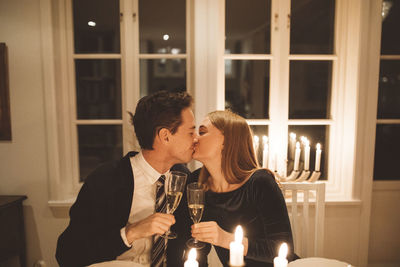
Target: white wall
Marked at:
23, 162
384, 245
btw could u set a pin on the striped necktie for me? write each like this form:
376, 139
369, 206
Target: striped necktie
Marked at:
159, 249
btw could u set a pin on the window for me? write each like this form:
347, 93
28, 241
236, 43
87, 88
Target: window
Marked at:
286, 66
279, 63
387, 144
102, 67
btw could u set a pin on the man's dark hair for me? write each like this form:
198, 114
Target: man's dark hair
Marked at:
156, 111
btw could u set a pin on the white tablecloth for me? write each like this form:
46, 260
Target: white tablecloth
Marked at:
117, 264
317, 262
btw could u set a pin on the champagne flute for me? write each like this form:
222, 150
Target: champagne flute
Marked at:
195, 196
174, 185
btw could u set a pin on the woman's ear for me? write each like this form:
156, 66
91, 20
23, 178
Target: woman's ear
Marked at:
163, 134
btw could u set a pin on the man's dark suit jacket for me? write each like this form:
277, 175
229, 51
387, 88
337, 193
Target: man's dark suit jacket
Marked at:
102, 208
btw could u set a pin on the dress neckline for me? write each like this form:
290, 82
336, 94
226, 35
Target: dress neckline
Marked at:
234, 190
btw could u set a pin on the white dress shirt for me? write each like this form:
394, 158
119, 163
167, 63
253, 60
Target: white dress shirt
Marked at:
143, 203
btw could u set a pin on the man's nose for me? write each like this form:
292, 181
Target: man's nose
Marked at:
195, 138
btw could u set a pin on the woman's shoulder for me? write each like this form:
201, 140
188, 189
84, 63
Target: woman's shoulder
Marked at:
263, 187
261, 176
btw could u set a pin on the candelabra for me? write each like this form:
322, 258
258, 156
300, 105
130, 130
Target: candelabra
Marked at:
300, 168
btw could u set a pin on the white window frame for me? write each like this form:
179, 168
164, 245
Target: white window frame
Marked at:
205, 81
61, 102
344, 84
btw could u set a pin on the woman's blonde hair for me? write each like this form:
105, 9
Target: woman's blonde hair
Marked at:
238, 160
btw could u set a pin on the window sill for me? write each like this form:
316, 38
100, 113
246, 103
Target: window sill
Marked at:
67, 203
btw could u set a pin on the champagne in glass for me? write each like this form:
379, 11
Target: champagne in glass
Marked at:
195, 196
174, 185
196, 211
173, 199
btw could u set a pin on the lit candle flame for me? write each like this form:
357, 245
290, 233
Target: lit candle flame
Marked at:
192, 255
256, 140
265, 139
283, 250
239, 234
318, 146
292, 135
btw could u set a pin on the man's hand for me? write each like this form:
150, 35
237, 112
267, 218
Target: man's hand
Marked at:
157, 223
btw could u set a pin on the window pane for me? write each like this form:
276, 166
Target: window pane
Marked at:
98, 144
387, 156
98, 88
162, 26
315, 134
96, 26
390, 43
260, 131
310, 89
247, 88
248, 26
162, 74
389, 90
312, 27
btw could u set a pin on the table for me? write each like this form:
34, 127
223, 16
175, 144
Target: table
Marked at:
12, 229
317, 262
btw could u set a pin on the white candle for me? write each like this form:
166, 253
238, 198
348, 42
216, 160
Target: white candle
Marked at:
275, 162
236, 248
318, 158
265, 152
281, 260
256, 144
297, 157
292, 145
307, 155
191, 261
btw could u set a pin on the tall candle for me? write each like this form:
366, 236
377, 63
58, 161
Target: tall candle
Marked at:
236, 248
292, 145
265, 152
281, 260
191, 261
297, 157
256, 144
318, 158
307, 155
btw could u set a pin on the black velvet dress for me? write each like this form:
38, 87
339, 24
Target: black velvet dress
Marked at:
259, 207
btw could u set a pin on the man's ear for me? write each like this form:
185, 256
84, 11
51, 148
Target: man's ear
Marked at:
163, 134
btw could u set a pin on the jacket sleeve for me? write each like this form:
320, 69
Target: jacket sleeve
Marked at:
271, 206
88, 238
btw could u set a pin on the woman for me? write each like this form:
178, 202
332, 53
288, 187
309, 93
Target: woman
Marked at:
238, 193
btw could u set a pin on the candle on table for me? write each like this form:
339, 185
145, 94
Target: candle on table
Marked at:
292, 145
265, 152
191, 261
236, 248
256, 144
281, 260
318, 158
307, 155
297, 157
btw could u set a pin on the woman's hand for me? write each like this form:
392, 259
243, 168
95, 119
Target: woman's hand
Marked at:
210, 232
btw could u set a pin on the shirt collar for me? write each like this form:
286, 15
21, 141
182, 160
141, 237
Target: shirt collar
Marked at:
149, 172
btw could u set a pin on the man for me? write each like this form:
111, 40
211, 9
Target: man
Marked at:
115, 215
